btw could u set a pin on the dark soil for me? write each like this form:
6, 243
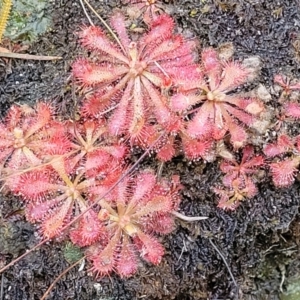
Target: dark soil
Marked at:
259, 240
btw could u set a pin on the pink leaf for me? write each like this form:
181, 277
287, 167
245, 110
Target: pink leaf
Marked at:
284, 172
292, 110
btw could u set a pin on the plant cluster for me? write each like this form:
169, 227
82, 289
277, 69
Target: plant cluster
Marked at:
60, 168
285, 151
239, 182
148, 90
147, 9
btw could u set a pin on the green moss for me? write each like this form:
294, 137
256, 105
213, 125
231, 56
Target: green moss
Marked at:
72, 253
28, 18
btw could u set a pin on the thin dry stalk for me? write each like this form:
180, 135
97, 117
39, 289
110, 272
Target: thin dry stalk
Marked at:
28, 56
59, 277
225, 262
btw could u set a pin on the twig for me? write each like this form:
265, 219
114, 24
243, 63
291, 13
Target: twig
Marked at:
86, 14
225, 262
59, 277
162, 70
182, 250
186, 218
2, 287
28, 56
43, 164
282, 271
160, 168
